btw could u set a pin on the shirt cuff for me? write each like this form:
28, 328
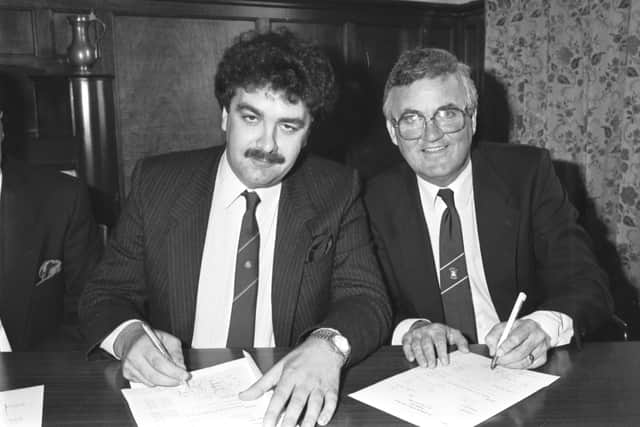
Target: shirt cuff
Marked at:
402, 328
107, 343
557, 325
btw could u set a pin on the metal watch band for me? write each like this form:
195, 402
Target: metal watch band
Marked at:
330, 335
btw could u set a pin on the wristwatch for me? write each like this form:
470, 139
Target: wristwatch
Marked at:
338, 342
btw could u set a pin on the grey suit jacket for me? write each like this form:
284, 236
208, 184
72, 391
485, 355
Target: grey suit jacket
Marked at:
325, 273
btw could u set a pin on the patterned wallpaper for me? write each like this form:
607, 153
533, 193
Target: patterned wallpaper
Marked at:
571, 70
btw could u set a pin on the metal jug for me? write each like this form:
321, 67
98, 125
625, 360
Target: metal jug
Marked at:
84, 50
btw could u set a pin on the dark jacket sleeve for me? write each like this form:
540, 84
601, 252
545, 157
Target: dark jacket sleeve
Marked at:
82, 247
116, 290
359, 307
398, 306
566, 268
70, 235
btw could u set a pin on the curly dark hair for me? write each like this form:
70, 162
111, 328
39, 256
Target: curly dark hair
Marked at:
280, 61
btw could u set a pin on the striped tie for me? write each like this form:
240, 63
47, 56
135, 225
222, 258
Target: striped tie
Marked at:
245, 295
454, 281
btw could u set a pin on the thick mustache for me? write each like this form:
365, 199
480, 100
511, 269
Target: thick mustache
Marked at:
264, 156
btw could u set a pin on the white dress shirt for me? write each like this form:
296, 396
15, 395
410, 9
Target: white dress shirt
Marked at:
4, 340
557, 325
217, 269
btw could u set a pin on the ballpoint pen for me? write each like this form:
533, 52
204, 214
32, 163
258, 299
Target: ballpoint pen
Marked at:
158, 345
507, 329
155, 340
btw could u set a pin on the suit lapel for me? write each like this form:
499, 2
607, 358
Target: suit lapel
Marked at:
293, 238
498, 221
414, 251
186, 237
20, 248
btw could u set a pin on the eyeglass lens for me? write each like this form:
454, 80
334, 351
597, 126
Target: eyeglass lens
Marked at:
447, 119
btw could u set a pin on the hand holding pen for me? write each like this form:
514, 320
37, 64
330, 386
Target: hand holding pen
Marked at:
151, 357
507, 329
155, 340
160, 347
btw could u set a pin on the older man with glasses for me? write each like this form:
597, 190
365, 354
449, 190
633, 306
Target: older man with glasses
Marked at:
460, 229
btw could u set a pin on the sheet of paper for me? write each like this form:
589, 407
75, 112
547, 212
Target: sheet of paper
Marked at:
465, 393
21, 407
211, 396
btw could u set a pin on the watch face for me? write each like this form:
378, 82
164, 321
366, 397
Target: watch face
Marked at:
342, 343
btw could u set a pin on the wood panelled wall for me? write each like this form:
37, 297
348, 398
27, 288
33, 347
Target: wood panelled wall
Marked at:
162, 57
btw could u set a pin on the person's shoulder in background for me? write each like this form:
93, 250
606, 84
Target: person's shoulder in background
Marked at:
67, 239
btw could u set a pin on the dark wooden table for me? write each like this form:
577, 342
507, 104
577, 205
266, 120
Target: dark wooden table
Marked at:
599, 386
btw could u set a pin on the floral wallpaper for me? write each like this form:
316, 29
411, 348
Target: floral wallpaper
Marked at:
571, 71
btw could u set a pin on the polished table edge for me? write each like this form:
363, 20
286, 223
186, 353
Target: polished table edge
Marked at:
598, 385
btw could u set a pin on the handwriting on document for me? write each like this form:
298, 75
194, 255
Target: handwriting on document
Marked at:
211, 396
465, 393
21, 407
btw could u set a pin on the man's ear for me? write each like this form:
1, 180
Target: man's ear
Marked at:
308, 132
223, 121
305, 140
473, 120
392, 131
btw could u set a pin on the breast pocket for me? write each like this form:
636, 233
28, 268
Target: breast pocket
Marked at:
321, 246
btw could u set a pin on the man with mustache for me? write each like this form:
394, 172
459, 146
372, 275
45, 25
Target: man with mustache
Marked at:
460, 230
254, 244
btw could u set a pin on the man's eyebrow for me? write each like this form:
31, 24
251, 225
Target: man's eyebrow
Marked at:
245, 106
293, 120
297, 121
449, 105
442, 107
411, 111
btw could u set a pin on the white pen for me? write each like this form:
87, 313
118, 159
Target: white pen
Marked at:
507, 329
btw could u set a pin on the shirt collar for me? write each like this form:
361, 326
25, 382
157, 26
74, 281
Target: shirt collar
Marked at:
230, 187
461, 186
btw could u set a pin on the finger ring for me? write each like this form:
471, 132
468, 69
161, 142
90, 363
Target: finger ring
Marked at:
531, 358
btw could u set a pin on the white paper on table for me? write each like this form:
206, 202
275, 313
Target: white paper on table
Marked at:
464, 393
21, 407
211, 395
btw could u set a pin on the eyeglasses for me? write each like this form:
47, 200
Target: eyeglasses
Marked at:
447, 119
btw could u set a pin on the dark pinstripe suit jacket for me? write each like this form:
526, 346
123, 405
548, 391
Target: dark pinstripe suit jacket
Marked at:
325, 273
